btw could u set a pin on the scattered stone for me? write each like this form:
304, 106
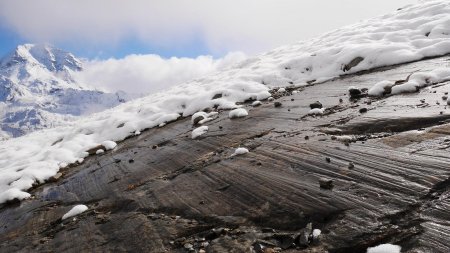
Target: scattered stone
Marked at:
326, 183
219, 95
341, 100
354, 92
116, 160
155, 147
55, 177
307, 137
188, 246
131, 161
269, 250
363, 110
292, 99
197, 119
277, 104
268, 230
285, 240
303, 239
328, 159
422, 101
315, 105
270, 99
352, 63
351, 165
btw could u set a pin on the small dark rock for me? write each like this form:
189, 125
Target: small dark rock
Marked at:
352, 63
277, 104
354, 92
217, 96
268, 230
444, 97
316, 104
197, 119
55, 177
341, 100
328, 159
351, 165
285, 240
307, 137
131, 161
363, 110
292, 99
117, 160
155, 147
326, 183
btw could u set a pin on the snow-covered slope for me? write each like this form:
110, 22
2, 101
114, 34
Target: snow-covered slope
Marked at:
408, 34
37, 90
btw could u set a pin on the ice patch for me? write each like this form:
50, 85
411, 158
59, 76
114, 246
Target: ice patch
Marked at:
75, 211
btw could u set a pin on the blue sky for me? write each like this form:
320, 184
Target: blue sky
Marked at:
102, 29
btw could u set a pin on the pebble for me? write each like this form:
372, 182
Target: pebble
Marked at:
351, 165
316, 104
277, 104
326, 183
328, 159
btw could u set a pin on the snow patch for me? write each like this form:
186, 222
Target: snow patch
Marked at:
238, 113
199, 131
109, 145
316, 233
240, 151
78, 209
385, 248
316, 111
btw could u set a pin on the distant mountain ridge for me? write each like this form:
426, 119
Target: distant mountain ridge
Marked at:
38, 90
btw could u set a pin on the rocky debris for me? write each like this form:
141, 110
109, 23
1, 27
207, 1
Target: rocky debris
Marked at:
328, 159
277, 104
351, 165
315, 105
326, 183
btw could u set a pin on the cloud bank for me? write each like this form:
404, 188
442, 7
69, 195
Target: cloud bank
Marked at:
150, 73
223, 26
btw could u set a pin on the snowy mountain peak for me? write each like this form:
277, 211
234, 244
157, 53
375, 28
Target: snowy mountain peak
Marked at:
38, 90
49, 57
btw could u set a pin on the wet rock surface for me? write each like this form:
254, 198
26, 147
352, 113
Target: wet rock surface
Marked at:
389, 166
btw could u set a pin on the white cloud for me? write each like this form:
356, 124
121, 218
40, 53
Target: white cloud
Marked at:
248, 25
150, 73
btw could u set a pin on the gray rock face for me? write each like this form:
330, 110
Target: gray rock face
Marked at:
187, 192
